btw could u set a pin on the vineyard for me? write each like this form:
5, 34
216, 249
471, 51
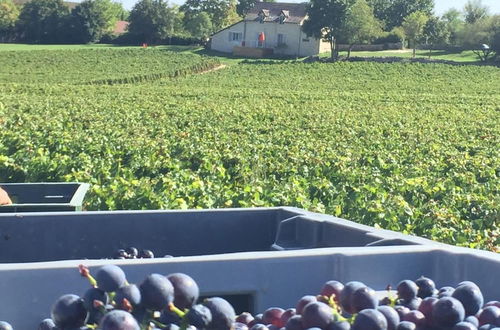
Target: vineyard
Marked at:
98, 66
407, 147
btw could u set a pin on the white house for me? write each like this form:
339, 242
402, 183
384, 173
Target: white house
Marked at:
272, 27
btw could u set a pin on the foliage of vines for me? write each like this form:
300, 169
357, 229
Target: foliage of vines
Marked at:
407, 147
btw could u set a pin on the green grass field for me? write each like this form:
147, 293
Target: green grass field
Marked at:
464, 56
405, 146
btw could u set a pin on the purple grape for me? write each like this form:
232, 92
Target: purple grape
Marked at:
186, 291
172, 327
257, 319
199, 316
369, 319
464, 326
168, 317
294, 323
118, 320
468, 283
445, 291
426, 287
413, 304
130, 292
401, 310
332, 288
316, 314
69, 311
244, 318
405, 325
390, 315
346, 295
470, 296
259, 326
47, 324
487, 327
340, 325
415, 317
407, 290
5, 326
90, 295
120, 254
157, 292
273, 316
132, 252
426, 307
363, 298
223, 314
240, 326
447, 312
489, 315
492, 303
472, 319
303, 302
146, 254
287, 315
110, 277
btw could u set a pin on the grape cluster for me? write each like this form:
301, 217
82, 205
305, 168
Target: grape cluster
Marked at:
171, 302
133, 253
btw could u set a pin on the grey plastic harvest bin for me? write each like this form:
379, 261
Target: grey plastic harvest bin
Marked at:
44, 197
263, 257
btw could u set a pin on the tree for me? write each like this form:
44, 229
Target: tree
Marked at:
221, 12
8, 18
474, 11
435, 33
393, 12
360, 26
413, 26
198, 24
41, 21
325, 20
244, 6
151, 20
93, 18
484, 31
454, 24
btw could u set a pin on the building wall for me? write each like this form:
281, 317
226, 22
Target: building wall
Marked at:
324, 47
297, 43
220, 40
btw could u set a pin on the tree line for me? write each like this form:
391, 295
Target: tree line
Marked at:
411, 22
351, 22
150, 21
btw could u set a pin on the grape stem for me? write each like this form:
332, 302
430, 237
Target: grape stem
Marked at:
85, 272
176, 310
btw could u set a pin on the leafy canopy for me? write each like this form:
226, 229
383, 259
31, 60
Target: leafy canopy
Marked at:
393, 12
413, 26
8, 14
361, 26
41, 21
94, 18
151, 20
326, 20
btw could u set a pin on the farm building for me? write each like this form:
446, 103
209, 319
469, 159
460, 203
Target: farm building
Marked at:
269, 27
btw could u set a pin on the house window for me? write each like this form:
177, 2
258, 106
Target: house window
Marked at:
305, 40
281, 39
284, 14
235, 36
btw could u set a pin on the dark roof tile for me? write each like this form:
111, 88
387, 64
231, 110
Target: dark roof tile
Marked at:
296, 11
